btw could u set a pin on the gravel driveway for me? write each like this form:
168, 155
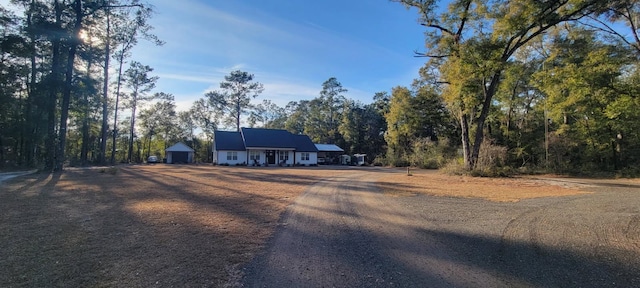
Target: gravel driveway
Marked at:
345, 233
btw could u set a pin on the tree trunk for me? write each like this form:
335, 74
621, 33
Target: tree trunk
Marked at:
86, 123
50, 142
115, 116
466, 153
104, 131
133, 125
238, 109
28, 135
66, 96
479, 137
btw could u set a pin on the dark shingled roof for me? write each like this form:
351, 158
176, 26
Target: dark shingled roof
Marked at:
268, 138
226, 140
304, 144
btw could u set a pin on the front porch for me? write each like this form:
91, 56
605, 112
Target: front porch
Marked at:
270, 156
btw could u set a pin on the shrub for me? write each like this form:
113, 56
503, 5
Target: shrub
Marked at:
428, 154
455, 167
491, 156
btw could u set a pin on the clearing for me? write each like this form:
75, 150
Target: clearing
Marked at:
175, 225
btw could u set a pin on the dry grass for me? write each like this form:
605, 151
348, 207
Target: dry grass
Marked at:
156, 225
174, 225
494, 189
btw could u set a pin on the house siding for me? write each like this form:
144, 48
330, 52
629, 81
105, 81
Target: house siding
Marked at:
263, 156
221, 157
313, 158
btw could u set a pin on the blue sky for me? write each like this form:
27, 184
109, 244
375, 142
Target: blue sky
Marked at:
291, 47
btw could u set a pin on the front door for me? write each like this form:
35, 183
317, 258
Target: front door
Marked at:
271, 156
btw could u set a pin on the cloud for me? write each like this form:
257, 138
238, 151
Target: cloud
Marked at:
291, 58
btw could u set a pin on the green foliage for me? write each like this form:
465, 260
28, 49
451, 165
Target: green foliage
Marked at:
401, 122
138, 80
471, 43
235, 98
269, 114
589, 114
413, 122
428, 154
325, 114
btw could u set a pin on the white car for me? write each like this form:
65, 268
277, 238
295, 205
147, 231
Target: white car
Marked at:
152, 159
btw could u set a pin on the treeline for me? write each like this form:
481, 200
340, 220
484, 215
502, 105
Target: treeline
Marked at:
535, 85
548, 84
55, 87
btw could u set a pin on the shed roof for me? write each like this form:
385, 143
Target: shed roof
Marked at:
268, 138
228, 140
328, 148
179, 147
304, 144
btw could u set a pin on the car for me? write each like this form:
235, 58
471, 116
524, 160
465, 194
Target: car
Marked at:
152, 159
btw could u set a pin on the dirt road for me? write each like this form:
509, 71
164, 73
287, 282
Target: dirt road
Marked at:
8, 175
345, 233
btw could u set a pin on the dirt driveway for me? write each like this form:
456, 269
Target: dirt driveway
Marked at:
345, 232
198, 225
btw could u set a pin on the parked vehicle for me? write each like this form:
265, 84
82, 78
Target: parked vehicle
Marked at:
152, 159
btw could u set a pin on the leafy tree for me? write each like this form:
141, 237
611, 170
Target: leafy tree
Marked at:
235, 98
53, 94
325, 113
129, 23
159, 118
362, 128
625, 13
138, 80
269, 114
586, 100
401, 122
414, 116
381, 102
205, 116
297, 112
471, 42
186, 126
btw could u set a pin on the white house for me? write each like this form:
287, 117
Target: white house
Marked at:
179, 153
263, 147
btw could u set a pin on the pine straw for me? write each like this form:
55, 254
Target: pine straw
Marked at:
152, 225
434, 183
175, 225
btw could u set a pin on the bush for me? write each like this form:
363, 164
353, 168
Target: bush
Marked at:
491, 156
455, 167
428, 154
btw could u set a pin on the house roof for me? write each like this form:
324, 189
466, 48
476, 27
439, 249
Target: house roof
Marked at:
227, 140
304, 144
179, 147
328, 148
268, 138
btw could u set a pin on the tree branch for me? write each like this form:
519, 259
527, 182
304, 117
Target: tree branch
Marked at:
436, 26
421, 54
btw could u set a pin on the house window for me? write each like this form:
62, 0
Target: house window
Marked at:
254, 155
304, 156
284, 156
232, 155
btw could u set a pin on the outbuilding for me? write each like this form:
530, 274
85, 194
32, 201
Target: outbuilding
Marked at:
179, 153
329, 154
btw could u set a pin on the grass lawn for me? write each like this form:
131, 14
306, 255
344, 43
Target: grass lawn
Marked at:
175, 225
